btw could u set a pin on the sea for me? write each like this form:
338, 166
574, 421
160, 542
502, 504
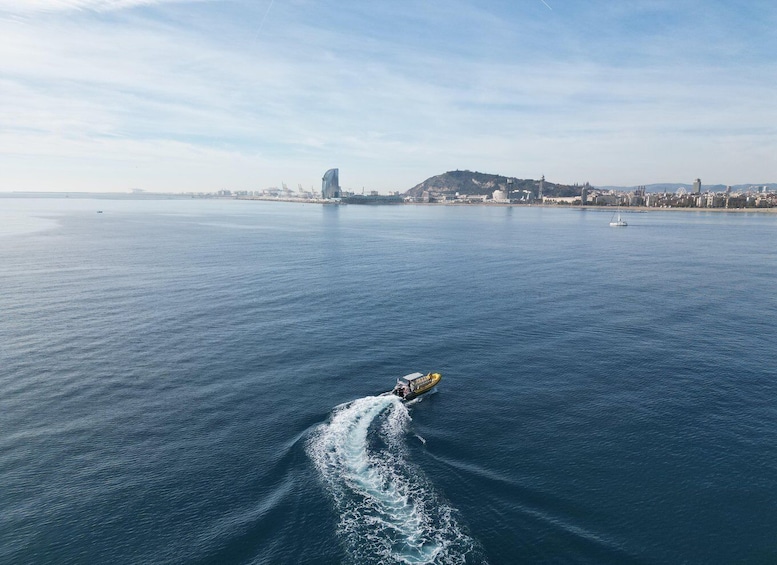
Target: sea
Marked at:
198, 381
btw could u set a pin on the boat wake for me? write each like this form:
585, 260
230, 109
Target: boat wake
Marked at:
388, 511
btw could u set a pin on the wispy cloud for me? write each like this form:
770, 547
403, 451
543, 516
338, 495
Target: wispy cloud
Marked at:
624, 93
32, 6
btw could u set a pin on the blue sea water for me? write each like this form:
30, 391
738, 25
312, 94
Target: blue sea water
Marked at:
196, 381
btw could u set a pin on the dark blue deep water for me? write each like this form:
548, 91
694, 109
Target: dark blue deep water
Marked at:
194, 381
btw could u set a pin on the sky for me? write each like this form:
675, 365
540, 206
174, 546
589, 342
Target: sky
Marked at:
204, 95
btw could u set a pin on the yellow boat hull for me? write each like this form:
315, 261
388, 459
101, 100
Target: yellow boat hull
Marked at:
417, 386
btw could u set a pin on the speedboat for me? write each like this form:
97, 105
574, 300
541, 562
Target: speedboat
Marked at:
415, 384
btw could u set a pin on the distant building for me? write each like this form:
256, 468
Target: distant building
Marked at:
713, 200
697, 186
606, 199
525, 196
500, 196
330, 184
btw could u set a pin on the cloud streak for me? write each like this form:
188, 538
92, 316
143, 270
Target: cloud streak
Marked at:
33, 6
119, 98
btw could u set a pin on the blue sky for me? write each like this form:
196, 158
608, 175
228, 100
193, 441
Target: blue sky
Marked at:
176, 95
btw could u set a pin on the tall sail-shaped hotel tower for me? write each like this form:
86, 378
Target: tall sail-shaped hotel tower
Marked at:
330, 184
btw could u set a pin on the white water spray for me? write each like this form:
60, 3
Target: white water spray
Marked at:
388, 511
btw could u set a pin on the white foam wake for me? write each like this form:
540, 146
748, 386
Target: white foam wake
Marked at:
388, 511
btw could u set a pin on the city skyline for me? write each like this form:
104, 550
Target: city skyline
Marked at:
176, 95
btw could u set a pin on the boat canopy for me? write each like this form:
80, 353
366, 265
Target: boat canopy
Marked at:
411, 377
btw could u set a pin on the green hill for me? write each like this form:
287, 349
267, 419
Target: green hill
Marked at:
473, 182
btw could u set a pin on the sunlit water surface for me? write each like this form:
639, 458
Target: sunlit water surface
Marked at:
196, 381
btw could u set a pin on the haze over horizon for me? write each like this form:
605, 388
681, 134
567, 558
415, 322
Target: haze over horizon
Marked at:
185, 95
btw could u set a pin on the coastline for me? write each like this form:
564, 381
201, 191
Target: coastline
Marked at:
320, 201
640, 209
623, 209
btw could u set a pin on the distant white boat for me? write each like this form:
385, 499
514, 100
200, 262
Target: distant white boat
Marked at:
618, 222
